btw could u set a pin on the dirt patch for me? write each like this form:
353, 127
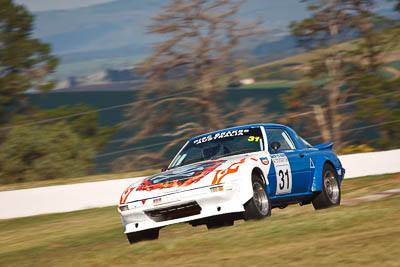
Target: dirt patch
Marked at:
355, 201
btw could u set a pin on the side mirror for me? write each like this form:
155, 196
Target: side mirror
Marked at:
275, 146
163, 169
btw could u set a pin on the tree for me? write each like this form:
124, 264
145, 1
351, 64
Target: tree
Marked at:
382, 105
38, 147
336, 71
33, 145
188, 72
24, 61
86, 124
44, 152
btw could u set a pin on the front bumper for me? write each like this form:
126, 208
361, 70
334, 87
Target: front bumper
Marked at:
181, 207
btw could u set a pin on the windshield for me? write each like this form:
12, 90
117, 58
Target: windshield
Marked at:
220, 144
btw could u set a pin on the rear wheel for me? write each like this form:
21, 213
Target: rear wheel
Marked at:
151, 234
259, 206
330, 194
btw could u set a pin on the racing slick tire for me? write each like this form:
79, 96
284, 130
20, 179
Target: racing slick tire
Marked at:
151, 234
330, 194
259, 206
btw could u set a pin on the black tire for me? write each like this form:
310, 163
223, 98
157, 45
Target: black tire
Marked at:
259, 206
330, 195
151, 234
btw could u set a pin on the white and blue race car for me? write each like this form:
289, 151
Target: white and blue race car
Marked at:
236, 173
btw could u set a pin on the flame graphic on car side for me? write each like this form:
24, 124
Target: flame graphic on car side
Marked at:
220, 174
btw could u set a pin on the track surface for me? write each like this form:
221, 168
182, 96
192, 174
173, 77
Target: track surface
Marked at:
363, 234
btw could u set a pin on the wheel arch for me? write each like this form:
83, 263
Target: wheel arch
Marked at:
318, 173
244, 178
260, 173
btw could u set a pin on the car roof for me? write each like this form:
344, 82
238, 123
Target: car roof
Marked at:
271, 125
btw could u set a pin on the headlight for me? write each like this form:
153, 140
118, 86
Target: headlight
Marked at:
217, 188
123, 208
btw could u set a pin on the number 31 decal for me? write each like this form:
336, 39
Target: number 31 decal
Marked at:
284, 181
283, 174
253, 138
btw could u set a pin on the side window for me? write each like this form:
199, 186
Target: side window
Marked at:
281, 136
306, 143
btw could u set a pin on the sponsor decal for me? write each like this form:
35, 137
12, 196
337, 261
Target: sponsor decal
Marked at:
181, 177
312, 164
279, 158
211, 137
143, 201
157, 201
264, 161
220, 174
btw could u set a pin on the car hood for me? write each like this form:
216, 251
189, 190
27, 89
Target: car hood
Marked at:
183, 178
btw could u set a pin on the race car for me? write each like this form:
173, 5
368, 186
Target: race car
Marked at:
231, 174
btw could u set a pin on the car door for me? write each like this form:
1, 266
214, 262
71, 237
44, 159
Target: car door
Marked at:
290, 172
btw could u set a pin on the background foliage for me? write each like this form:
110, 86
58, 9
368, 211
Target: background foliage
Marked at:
33, 146
53, 149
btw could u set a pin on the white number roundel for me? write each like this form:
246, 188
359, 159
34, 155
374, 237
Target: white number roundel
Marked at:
283, 174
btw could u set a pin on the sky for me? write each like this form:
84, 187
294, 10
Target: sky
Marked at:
43, 5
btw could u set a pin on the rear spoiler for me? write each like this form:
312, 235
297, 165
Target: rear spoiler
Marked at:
324, 146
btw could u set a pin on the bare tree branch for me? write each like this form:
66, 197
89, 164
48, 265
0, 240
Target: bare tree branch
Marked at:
201, 46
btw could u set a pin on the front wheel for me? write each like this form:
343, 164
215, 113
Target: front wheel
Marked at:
330, 194
151, 234
259, 206
220, 223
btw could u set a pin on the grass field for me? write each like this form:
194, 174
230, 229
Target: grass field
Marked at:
366, 234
